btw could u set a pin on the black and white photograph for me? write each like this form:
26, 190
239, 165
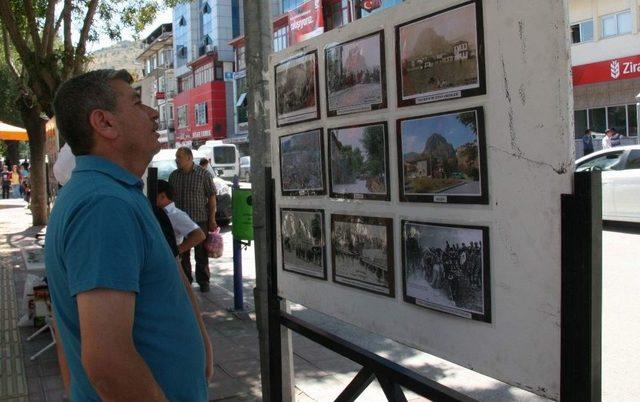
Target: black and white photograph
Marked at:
440, 56
446, 268
441, 158
296, 84
359, 166
303, 242
302, 163
362, 253
355, 76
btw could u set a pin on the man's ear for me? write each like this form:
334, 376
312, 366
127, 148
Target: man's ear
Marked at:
103, 123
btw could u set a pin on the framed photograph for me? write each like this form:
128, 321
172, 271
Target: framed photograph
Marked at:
362, 253
359, 166
442, 158
446, 268
302, 163
441, 56
355, 76
303, 242
296, 84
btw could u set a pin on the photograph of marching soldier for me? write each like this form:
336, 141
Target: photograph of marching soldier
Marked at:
296, 85
440, 56
446, 268
355, 76
362, 253
303, 244
441, 158
302, 163
359, 165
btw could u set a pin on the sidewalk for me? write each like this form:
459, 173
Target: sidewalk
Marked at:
320, 375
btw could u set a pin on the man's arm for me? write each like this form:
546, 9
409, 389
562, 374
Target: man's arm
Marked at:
211, 207
194, 238
109, 357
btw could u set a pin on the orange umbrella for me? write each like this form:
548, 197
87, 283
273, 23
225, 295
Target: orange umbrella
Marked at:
12, 133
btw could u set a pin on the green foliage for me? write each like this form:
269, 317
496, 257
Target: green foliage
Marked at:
374, 144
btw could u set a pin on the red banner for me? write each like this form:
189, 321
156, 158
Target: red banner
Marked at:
305, 21
610, 70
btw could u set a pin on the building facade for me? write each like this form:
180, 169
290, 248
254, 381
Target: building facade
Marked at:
605, 58
158, 84
202, 55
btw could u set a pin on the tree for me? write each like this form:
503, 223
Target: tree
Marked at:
39, 32
9, 112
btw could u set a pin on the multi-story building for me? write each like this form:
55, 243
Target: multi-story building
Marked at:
335, 13
202, 55
605, 58
158, 85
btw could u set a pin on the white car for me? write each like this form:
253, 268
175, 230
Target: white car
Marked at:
620, 168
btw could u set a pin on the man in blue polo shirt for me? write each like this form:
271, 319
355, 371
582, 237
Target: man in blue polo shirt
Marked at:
129, 327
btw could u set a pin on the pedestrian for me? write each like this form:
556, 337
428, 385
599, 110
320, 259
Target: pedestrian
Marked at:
128, 322
587, 142
25, 177
616, 137
5, 175
15, 182
195, 194
606, 140
204, 163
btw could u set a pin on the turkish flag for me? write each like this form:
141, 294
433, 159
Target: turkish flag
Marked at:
370, 5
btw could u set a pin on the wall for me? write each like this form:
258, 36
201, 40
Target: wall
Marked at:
528, 113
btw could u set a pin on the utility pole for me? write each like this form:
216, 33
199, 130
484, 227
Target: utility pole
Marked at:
258, 47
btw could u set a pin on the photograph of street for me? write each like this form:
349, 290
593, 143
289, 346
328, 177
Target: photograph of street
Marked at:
441, 157
444, 268
359, 162
362, 253
303, 242
296, 90
438, 56
301, 163
355, 77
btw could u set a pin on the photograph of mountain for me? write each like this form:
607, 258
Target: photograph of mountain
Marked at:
441, 157
439, 56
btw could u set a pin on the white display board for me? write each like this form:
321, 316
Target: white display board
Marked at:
509, 326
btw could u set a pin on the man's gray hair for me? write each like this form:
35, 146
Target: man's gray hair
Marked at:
77, 98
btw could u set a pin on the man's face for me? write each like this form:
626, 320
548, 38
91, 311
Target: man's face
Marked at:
136, 121
183, 160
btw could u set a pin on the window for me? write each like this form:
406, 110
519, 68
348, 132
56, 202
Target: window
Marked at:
623, 118
616, 24
598, 119
280, 39
185, 83
170, 112
336, 14
607, 161
240, 59
161, 84
241, 102
206, 9
224, 154
617, 118
582, 32
201, 113
219, 72
581, 124
633, 160
290, 4
204, 74
182, 116
632, 119
182, 22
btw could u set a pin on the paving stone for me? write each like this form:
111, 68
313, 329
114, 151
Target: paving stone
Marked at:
242, 368
224, 386
51, 383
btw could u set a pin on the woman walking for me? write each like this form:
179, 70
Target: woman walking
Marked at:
15, 182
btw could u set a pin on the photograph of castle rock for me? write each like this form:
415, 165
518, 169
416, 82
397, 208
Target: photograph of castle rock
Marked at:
355, 79
301, 163
303, 244
359, 162
296, 84
439, 56
442, 158
445, 267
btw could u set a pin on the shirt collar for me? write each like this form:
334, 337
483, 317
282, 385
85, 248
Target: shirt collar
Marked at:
99, 164
170, 208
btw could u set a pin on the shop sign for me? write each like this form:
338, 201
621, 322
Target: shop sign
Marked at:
201, 134
160, 95
305, 21
609, 70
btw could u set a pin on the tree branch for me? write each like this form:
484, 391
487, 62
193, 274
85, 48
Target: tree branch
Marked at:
67, 60
32, 24
21, 46
49, 30
7, 55
81, 47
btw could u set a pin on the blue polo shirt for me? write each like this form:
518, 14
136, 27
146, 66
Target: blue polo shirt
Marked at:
102, 234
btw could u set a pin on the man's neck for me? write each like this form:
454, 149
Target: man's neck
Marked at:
189, 168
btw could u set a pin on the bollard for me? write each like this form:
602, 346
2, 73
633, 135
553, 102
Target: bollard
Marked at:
238, 303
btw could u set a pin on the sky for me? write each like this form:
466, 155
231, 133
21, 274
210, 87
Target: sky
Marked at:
416, 132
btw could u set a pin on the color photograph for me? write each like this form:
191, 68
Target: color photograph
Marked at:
296, 84
439, 56
301, 163
359, 162
303, 244
442, 158
445, 267
355, 78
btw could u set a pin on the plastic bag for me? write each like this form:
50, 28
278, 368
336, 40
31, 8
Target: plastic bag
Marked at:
214, 244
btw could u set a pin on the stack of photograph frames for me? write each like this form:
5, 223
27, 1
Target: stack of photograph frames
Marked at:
441, 158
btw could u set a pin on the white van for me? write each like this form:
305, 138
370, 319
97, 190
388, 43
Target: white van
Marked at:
224, 158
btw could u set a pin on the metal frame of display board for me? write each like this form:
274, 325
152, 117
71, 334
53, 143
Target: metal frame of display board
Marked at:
581, 312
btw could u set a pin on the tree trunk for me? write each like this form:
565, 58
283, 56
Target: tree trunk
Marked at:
13, 152
35, 126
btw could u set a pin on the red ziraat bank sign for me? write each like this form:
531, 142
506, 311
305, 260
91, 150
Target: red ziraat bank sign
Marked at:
305, 21
610, 70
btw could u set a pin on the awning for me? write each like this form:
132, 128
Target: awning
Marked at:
241, 99
12, 133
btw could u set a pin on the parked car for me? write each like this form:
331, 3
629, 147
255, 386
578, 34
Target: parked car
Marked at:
165, 161
620, 168
223, 158
245, 168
